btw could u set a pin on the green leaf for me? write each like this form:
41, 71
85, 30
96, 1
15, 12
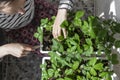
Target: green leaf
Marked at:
93, 72
103, 74
86, 47
73, 49
117, 44
88, 41
72, 42
116, 27
58, 59
92, 61
87, 68
77, 22
99, 66
53, 17
36, 35
84, 72
108, 77
78, 57
102, 34
67, 78
69, 72
75, 65
79, 14
76, 37
50, 72
91, 31
60, 79
85, 28
39, 30
79, 77
64, 24
54, 66
88, 50
95, 78
56, 74
61, 38
40, 38
44, 22
88, 75
57, 46
79, 49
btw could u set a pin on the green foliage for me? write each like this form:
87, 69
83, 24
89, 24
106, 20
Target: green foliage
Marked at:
45, 24
71, 58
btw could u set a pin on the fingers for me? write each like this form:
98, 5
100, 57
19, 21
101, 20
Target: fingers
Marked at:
25, 53
27, 47
56, 31
64, 32
57, 34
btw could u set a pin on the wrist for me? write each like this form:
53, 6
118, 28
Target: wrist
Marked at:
3, 51
62, 13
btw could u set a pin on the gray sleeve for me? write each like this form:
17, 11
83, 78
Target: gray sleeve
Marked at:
68, 4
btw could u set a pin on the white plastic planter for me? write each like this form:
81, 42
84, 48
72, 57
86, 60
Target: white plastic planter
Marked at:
41, 49
45, 58
114, 76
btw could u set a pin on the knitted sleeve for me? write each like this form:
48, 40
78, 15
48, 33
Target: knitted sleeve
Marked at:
66, 4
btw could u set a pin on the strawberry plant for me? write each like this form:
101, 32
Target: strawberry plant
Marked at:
86, 52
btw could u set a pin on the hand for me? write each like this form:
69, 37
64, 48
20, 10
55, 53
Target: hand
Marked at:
15, 49
57, 30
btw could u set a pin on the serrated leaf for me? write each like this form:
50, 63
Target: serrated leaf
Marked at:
40, 38
94, 78
103, 74
92, 61
56, 74
79, 77
93, 72
68, 72
36, 35
98, 66
88, 75
85, 28
50, 72
77, 22
73, 48
79, 49
88, 41
79, 14
67, 78
75, 65
84, 72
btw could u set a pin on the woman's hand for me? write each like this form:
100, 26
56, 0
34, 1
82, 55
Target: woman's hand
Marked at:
15, 49
57, 30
